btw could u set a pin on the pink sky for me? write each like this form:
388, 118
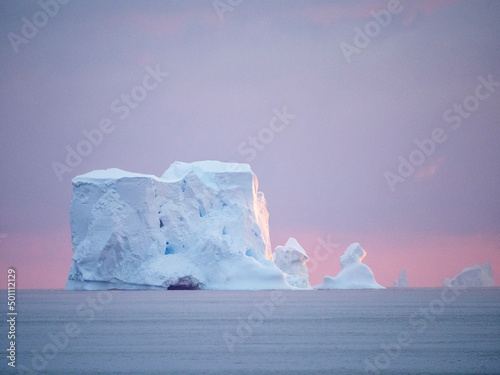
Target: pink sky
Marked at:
432, 258
429, 263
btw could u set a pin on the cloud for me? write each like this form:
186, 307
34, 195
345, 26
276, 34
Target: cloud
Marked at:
430, 170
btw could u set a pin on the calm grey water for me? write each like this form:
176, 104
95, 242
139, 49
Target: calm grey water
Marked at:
413, 331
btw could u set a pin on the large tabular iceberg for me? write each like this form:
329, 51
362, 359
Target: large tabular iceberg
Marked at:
478, 276
354, 274
202, 225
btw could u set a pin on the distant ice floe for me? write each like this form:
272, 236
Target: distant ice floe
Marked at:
479, 275
402, 282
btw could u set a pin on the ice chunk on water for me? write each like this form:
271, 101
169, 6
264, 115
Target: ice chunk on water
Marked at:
479, 275
291, 259
354, 274
402, 282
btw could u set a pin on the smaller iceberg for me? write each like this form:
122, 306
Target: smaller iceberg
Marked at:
402, 282
354, 274
291, 259
479, 275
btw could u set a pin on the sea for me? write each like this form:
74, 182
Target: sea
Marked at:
391, 331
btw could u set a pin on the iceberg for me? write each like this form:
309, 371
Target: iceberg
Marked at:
354, 274
479, 275
402, 282
291, 259
201, 225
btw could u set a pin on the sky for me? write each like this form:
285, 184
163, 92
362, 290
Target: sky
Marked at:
388, 134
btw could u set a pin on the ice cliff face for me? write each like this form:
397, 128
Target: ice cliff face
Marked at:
291, 259
354, 274
478, 276
402, 282
202, 225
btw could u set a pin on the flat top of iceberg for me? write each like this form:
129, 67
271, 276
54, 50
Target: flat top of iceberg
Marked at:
176, 171
111, 173
180, 169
